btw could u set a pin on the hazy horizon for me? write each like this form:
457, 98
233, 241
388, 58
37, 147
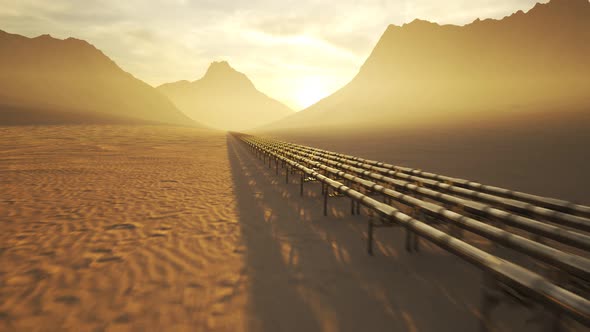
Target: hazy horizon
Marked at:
157, 177
297, 58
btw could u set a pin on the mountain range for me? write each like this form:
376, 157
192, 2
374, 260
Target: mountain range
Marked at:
423, 73
225, 98
45, 80
418, 74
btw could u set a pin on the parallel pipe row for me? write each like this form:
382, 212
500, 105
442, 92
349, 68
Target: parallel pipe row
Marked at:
579, 266
550, 208
534, 285
569, 237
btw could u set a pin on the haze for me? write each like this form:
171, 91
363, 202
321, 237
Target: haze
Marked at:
259, 166
294, 52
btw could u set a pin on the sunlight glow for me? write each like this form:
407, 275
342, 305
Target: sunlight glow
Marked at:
310, 91
265, 40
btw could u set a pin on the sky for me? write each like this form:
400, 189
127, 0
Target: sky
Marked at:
295, 51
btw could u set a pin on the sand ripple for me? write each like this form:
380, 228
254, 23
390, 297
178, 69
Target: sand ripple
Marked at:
110, 227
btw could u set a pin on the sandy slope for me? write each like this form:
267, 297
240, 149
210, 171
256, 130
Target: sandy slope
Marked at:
160, 228
118, 227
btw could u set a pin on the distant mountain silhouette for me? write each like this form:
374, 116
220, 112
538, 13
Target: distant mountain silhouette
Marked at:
224, 98
424, 72
44, 80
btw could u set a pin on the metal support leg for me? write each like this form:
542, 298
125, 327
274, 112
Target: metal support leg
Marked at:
277, 166
557, 319
358, 208
457, 232
422, 216
287, 176
370, 237
498, 251
557, 324
489, 300
326, 202
301, 184
352, 206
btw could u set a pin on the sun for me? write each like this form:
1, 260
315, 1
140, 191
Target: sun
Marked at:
310, 91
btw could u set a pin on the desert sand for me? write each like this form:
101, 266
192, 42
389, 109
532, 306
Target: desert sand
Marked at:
161, 228
115, 228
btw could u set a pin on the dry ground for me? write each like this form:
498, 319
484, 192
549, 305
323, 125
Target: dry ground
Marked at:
108, 228
115, 227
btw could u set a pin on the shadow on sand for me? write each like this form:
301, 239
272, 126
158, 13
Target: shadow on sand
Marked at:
308, 272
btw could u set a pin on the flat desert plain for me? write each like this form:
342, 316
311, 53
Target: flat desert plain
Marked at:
131, 228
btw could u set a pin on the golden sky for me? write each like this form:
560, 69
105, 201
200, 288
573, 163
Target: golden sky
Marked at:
297, 51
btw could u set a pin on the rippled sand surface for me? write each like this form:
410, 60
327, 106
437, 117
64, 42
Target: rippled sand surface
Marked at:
122, 228
113, 227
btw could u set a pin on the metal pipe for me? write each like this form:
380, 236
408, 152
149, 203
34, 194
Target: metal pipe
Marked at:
547, 202
511, 274
565, 236
574, 264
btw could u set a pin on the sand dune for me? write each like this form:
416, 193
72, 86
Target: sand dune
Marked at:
158, 228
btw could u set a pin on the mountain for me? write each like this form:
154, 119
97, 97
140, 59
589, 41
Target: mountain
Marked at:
44, 80
424, 73
224, 98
